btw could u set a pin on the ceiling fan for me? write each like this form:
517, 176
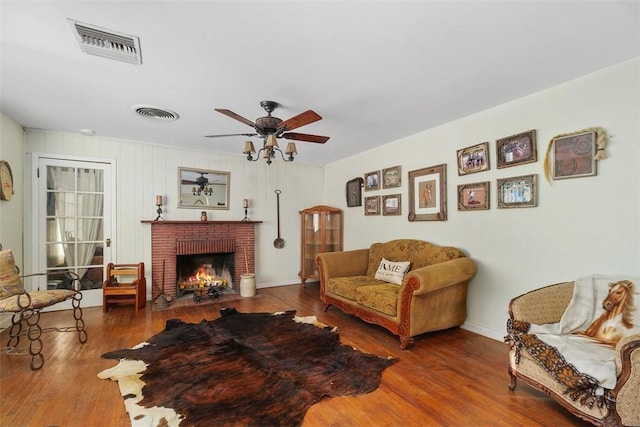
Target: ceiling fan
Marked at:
270, 125
202, 181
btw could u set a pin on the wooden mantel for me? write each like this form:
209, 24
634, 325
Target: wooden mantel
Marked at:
166, 236
197, 221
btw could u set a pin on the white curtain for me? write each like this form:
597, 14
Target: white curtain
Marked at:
78, 203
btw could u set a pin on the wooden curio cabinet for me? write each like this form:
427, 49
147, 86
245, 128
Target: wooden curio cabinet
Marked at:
321, 232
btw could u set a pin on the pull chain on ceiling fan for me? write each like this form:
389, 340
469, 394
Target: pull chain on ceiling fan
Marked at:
271, 128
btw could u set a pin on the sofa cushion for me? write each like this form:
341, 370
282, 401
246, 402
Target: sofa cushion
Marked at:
391, 271
346, 286
383, 298
10, 282
419, 252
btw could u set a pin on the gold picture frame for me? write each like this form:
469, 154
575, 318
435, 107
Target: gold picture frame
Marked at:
473, 159
473, 197
428, 194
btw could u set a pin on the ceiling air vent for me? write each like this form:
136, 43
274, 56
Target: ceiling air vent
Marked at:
155, 113
106, 43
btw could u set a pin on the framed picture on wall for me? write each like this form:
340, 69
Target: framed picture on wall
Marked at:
372, 205
517, 149
473, 159
372, 181
574, 155
518, 192
473, 197
392, 205
354, 192
392, 177
428, 194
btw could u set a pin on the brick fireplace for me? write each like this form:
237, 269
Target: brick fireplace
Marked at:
172, 238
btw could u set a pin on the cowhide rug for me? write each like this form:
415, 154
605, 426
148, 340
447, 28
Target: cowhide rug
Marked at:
241, 369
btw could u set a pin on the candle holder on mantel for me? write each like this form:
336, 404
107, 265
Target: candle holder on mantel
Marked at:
159, 210
245, 204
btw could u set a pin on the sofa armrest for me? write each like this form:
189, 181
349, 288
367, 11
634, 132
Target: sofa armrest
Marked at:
628, 386
543, 305
433, 277
343, 263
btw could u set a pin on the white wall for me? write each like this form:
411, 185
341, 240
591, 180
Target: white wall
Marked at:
581, 226
144, 170
12, 151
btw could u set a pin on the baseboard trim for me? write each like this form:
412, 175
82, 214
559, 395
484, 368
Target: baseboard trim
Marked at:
494, 334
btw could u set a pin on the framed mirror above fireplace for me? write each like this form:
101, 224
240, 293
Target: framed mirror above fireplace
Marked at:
203, 189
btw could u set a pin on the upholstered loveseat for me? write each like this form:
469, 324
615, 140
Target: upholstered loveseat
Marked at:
537, 327
430, 296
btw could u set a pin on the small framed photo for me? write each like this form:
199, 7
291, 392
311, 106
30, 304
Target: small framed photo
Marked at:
473, 197
372, 181
517, 149
391, 205
574, 155
473, 159
372, 205
392, 177
428, 194
518, 192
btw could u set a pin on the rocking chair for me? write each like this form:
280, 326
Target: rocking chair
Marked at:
26, 307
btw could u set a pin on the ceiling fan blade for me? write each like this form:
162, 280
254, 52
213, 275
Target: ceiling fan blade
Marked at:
235, 116
231, 134
300, 120
305, 137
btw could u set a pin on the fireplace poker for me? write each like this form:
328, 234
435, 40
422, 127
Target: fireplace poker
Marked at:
161, 302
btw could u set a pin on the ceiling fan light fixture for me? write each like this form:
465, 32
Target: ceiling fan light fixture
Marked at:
291, 149
249, 148
270, 128
271, 141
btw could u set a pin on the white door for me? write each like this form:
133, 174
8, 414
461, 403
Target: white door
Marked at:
74, 206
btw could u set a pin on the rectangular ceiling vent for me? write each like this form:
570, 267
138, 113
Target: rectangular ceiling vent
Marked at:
106, 43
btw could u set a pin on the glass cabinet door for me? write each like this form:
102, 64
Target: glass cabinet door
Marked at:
321, 232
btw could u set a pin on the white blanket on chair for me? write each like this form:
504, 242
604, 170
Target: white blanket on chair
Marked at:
588, 355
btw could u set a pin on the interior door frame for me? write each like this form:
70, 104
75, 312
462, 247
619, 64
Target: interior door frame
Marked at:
93, 296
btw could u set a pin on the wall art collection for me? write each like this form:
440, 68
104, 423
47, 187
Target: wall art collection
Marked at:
569, 155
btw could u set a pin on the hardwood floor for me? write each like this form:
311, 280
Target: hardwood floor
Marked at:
448, 378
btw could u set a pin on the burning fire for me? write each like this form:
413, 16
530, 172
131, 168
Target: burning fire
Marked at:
203, 277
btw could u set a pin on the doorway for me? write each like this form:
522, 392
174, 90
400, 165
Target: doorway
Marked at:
74, 225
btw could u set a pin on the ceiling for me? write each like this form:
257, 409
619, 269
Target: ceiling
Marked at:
375, 71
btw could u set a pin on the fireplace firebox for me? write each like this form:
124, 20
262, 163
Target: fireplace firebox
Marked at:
199, 271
